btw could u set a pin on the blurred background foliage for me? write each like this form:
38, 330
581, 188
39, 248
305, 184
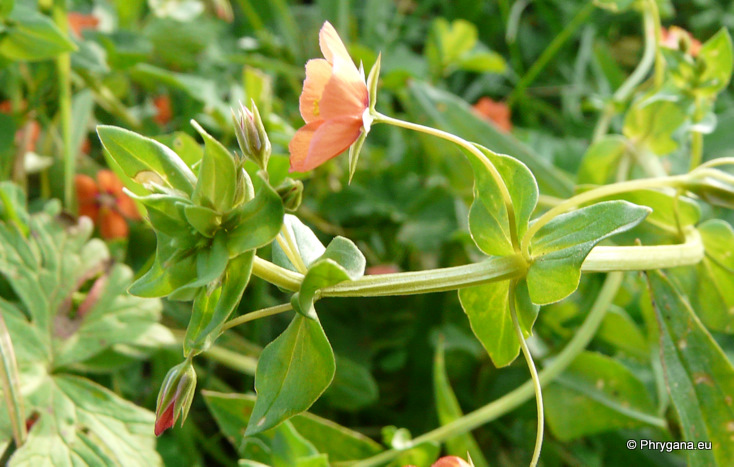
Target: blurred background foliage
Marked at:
548, 67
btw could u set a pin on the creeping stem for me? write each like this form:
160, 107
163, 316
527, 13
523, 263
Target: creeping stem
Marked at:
517, 397
498, 268
506, 198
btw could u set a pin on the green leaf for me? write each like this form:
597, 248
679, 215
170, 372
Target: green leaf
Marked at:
341, 261
699, 376
185, 146
216, 186
488, 310
596, 394
6, 6
652, 122
56, 322
213, 306
599, 165
171, 271
139, 157
84, 422
619, 330
616, 6
204, 220
232, 412
710, 284
30, 35
307, 245
561, 246
293, 371
255, 223
448, 409
482, 61
443, 110
717, 57
488, 220
353, 387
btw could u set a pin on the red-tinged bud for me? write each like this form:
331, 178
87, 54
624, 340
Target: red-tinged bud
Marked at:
175, 397
451, 461
251, 135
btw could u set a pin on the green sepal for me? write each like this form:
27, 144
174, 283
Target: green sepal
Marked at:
213, 306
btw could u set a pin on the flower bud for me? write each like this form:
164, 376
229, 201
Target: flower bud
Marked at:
251, 135
291, 193
175, 397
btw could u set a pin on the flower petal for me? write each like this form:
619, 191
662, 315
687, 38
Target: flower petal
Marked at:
127, 207
318, 73
328, 141
331, 44
345, 95
300, 143
86, 188
165, 420
109, 183
112, 224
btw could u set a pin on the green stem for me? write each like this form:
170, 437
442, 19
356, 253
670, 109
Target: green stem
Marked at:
107, 99
676, 181
533, 375
9, 377
283, 278
265, 312
654, 12
552, 49
517, 397
63, 70
499, 268
638, 75
696, 140
473, 150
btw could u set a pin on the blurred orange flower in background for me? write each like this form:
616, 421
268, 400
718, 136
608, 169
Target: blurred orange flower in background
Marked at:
105, 203
496, 112
332, 103
673, 37
79, 22
163, 109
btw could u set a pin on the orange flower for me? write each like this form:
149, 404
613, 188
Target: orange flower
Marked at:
451, 461
496, 112
79, 22
163, 110
333, 102
673, 38
105, 203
